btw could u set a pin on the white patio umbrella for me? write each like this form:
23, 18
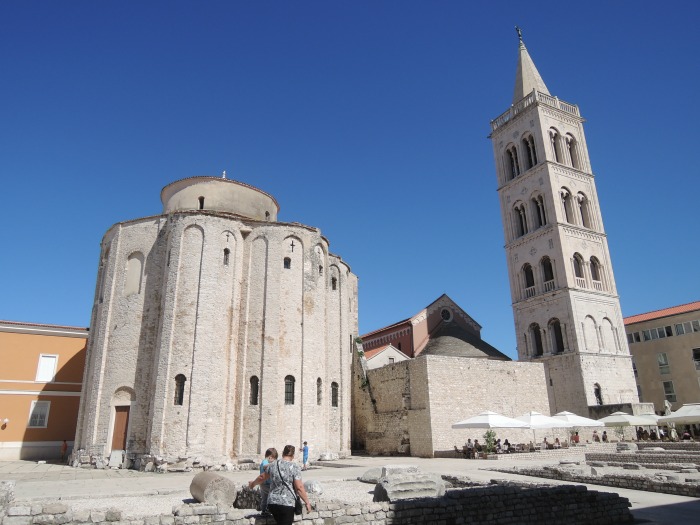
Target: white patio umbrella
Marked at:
686, 415
489, 419
577, 421
622, 419
535, 420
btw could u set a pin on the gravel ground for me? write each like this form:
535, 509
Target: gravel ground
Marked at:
134, 507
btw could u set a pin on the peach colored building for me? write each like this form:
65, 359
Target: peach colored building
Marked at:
40, 382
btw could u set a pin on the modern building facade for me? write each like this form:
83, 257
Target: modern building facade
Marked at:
40, 382
665, 347
217, 332
565, 303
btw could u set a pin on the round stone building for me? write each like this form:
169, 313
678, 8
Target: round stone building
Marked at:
217, 332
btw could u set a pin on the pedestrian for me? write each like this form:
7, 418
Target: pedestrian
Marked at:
305, 456
285, 485
470, 448
64, 451
605, 436
270, 457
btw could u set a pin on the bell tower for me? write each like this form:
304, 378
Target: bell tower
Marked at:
565, 304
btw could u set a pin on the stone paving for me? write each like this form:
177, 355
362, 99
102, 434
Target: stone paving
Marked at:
131, 489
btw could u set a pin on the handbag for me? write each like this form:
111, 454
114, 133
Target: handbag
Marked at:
298, 506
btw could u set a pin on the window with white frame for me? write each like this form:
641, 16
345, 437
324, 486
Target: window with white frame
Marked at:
669, 391
662, 359
39, 414
46, 371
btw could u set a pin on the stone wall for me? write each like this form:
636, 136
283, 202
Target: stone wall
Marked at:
483, 505
612, 480
651, 460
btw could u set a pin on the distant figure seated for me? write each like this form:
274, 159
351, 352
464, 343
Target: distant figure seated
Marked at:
557, 444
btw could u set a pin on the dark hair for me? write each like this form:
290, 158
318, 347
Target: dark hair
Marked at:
271, 452
289, 450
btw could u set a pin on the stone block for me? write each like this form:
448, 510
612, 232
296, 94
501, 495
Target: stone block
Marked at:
313, 487
371, 476
97, 516
55, 508
208, 487
393, 470
82, 516
19, 511
626, 446
113, 515
17, 520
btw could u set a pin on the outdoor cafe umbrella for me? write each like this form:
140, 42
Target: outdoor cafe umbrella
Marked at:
622, 419
490, 419
536, 421
686, 415
577, 421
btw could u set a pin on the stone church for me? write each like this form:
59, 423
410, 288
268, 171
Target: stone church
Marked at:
217, 332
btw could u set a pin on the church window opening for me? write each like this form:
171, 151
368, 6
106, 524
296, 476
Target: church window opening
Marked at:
578, 271
596, 274
520, 220
254, 390
696, 358
227, 252
572, 151
46, 371
598, 393
399, 346
446, 315
134, 268
391, 360
664, 367
555, 142
334, 394
180, 389
530, 152
567, 204
289, 390
512, 162
287, 263
669, 391
547, 274
267, 215
540, 215
319, 391
529, 277
334, 283
536, 338
201, 203
557, 335
584, 210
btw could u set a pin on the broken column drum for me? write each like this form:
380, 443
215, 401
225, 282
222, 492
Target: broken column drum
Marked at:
217, 332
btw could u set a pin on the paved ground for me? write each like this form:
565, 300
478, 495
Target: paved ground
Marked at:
128, 489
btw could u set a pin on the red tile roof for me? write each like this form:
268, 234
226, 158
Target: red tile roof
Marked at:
369, 334
371, 353
657, 314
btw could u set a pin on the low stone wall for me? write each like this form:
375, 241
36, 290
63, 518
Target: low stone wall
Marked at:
659, 460
612, 480
489, 505
693, 446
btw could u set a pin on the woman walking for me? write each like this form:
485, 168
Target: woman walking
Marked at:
285, 484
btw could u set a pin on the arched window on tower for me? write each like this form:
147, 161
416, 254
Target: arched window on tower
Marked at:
180, 389
201, 203
567, 204
289, 390
287, 263
520, 219
557, 335
536, 340
134, 272
555, 143
512, 166
319, 391
596, 274
584, 207
540, 213
334, 394
334, 283
578, 271
528, 143
254, 390
547, 274
227, 253
572, 151
529, 278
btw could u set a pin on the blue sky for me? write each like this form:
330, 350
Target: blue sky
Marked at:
367, 119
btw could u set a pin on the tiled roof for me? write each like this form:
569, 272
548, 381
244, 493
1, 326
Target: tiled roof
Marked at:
369, 334
369, 354
657, 314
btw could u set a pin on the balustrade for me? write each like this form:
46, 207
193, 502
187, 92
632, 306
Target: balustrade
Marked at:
530, 292
598, 285
549, 286
581, 282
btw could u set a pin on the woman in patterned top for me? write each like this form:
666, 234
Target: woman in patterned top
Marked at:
285, 484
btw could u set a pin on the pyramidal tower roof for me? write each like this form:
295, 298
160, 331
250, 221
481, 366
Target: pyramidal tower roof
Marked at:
527, 77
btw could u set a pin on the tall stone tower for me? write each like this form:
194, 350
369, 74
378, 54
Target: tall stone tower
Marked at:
566, 308
217, 331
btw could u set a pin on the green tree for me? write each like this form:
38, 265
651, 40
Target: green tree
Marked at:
490, 441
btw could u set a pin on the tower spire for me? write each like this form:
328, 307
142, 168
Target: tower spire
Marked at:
527, 77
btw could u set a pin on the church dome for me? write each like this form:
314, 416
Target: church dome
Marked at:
219, 194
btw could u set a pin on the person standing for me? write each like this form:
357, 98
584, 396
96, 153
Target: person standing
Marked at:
270, 457
64, 451
305, 456
285, 484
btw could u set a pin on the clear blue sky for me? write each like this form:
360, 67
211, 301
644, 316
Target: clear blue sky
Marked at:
367, 119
